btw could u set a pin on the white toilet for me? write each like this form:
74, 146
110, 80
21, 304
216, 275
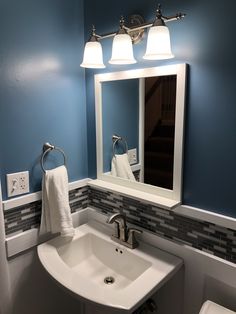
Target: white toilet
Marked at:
213, 308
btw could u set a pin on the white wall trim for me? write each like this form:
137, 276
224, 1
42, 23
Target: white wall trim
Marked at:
28, 239
184, 210
33, 197
201, 214
132, 193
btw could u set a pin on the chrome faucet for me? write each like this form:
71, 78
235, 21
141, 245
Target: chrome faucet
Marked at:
123, 235
121, 227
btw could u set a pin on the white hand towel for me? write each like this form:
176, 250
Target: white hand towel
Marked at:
56, 213
120, 167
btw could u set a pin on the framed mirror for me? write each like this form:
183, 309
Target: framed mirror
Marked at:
141, 113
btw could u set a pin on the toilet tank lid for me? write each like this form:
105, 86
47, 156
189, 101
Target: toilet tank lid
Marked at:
213, 308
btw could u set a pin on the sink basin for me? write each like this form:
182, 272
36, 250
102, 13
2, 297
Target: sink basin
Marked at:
96, 268
96, 259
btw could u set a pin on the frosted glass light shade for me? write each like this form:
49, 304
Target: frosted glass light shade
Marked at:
93, 57
122, 50
158, 44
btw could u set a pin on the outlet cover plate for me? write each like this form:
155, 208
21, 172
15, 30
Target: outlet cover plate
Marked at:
17, 183
132, 155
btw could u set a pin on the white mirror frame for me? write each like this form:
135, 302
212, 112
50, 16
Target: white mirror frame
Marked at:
180, 71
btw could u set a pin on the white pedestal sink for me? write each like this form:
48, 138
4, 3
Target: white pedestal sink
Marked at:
99, 270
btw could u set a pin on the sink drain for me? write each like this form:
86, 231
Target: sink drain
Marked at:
109, 280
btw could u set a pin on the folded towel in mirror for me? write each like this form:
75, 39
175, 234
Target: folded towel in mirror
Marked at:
120, 167
56, 213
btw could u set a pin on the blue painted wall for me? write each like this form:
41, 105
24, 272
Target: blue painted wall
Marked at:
42, 87
120, 115
206, 42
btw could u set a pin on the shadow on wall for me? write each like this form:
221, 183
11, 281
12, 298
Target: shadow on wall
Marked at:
33, 291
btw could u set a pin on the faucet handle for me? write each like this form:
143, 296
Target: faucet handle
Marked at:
117, 230
131, 237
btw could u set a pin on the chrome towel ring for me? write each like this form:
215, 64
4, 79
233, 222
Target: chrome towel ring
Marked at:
47, 147
116, 139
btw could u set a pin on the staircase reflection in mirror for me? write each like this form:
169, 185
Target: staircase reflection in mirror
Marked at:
159, 130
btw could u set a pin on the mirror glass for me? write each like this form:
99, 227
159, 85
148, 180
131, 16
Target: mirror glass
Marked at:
159, 130
144, 109
120, 115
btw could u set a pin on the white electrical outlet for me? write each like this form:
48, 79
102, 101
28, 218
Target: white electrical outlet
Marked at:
132, 155
17, 183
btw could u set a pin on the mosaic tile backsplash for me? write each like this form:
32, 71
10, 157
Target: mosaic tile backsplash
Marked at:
25, 217
202, 235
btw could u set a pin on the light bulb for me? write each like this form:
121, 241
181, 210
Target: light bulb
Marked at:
158, 44
93, 57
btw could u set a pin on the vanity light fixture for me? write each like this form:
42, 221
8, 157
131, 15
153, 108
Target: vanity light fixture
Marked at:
122, 49
158, 41
93, 56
